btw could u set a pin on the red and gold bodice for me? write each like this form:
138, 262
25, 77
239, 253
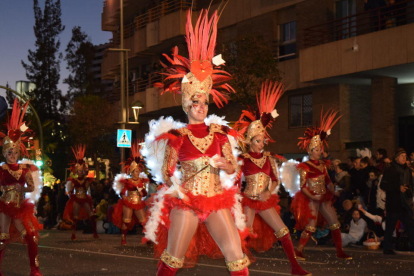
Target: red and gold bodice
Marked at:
192, 147
11, 175
314, 176
134, 190
259, 170
80, 186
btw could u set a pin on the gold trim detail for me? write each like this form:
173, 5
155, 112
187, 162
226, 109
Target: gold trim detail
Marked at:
127, 220
16, 174
320, 167
303, 178
228, 154
37, 261
257, 161
202, 144
310, 229
334, 226
4, 236
256, 184
282, 232
170, 161
171, 261
30, 182
239, 264
36, 239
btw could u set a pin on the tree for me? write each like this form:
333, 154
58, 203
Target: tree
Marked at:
250, 61
79, 56
9, 95
43, 67
87, 126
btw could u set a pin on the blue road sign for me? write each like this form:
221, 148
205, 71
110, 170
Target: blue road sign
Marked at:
124, 138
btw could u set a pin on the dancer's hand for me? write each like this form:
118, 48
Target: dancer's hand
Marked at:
222, 164
183, 196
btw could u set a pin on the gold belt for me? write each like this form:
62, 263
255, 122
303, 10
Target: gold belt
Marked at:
133, 197
256, 184
80, 192
317, 185
11, 195
198, 177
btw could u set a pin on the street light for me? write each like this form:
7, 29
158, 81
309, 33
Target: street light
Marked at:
136, 106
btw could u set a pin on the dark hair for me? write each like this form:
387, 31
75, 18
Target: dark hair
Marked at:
376, 172
382, 152
352, 158
365, 160
343, 166
353, 210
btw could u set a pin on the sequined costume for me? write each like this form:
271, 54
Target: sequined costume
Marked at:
17, 220
312, 204
79, 205
260, 171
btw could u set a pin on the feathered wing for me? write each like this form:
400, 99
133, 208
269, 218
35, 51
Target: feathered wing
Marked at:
37, 180
289, 176
118, 184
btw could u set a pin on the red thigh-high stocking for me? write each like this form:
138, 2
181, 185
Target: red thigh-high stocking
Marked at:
32, 240
304, 238
3, 240
93, 224
123, 236
337, 239
74, 224
283, 236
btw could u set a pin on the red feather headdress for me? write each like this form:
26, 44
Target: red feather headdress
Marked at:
17, 131
201, 72
79, 152
252, 123
136, 160
317, 136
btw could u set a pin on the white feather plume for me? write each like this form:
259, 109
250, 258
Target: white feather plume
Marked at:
118, 185
289, 176
154, 219
364, 153
37, 179
238, 214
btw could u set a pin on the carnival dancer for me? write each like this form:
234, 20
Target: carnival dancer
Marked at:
195, 213
79, 206
260, 170
316, 189
130, 208
17, 220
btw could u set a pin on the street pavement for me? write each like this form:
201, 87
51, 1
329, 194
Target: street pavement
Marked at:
105, 256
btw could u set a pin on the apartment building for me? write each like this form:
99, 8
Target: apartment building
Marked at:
332, 54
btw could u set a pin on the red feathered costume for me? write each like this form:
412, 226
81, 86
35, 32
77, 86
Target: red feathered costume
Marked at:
312, 205
79, 205
130, 208
16, 180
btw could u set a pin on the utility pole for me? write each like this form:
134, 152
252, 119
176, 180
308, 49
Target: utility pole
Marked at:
122, 62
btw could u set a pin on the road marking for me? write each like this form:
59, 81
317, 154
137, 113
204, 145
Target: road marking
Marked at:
146, 258
285, 260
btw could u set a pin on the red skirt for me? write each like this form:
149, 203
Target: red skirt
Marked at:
26, 214
263, 237
202, 243
68, 213
302, 212
117, 215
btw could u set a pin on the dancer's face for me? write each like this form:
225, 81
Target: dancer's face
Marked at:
197, 111
12, 156
257, 144
315, 153
135, 173
80, 171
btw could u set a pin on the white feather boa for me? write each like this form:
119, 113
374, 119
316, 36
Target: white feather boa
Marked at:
154, 155
37, 179
290, 177
118, 185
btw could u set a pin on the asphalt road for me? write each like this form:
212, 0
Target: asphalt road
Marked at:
86, 257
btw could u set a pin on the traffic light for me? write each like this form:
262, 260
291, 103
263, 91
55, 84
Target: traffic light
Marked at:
39, 163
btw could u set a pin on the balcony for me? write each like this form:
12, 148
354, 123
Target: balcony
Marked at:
356, 48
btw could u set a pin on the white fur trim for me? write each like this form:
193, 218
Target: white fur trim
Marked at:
289, 177
118, 185
37, 179
154, 219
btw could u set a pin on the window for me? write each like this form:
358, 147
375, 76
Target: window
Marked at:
300, 110
287, 47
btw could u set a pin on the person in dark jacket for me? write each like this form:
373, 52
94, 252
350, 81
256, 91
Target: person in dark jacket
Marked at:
397, 183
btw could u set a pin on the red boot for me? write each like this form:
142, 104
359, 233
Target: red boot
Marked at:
290, 253
32, 247
337, 239
304, 238
73, 237
93, 224
243, 272
165, 270
123, 235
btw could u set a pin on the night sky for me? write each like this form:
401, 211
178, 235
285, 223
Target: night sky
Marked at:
16, 34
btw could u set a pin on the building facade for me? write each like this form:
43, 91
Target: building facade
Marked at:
332, 54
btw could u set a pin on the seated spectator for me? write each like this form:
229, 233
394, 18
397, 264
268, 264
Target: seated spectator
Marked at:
356, 229
378, 222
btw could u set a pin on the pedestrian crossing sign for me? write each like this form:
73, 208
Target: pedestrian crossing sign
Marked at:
124, 138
